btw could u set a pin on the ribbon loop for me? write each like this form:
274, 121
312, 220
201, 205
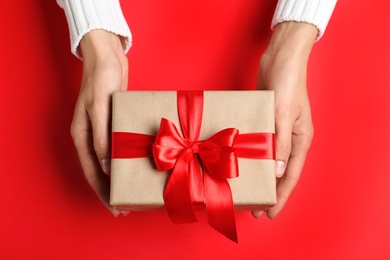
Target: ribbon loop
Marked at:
218, 155
168, 145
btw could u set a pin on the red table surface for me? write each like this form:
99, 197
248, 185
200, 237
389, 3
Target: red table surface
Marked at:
340, 209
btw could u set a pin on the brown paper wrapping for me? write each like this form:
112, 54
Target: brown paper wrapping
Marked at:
137, 185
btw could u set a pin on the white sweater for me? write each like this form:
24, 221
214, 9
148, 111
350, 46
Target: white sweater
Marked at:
86, 15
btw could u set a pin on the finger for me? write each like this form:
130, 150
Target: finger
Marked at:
99, 115
286, 185
125, 74
257, 213
82, 137
125, 213
283, 149
283, 143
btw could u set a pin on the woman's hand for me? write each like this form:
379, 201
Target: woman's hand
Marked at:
283, 69
105, 71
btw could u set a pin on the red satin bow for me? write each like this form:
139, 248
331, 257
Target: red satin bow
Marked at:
218, 156
171, 151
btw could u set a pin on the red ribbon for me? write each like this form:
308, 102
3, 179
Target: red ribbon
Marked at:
218, 156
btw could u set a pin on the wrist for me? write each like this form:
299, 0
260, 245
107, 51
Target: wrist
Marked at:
294, 39
99, 45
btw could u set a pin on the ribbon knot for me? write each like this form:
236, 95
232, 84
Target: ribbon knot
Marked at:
195, 147
216, 153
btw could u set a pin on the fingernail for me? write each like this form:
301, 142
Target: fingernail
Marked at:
280, 168
125, 213
115, 212
257, 214
106, 166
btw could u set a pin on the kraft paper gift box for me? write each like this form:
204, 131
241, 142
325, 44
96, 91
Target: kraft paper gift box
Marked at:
137, 185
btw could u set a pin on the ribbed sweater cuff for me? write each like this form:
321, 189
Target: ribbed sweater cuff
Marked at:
84, 16
316, 12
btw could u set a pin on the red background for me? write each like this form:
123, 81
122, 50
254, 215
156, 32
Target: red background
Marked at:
340, 209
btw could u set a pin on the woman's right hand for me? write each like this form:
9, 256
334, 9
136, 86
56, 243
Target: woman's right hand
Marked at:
105, 71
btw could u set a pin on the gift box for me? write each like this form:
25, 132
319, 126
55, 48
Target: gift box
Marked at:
238, 163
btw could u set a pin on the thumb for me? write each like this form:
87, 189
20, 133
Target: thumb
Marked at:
100, 120
283, 145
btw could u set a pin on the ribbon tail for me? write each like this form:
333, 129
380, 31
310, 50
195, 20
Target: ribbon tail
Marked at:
177, 194
196, 183
219, 206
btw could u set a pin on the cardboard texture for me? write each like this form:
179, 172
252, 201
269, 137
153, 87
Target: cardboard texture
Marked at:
137, 185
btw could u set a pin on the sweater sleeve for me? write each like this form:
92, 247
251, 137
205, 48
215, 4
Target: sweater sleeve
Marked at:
316, 12
84, 16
